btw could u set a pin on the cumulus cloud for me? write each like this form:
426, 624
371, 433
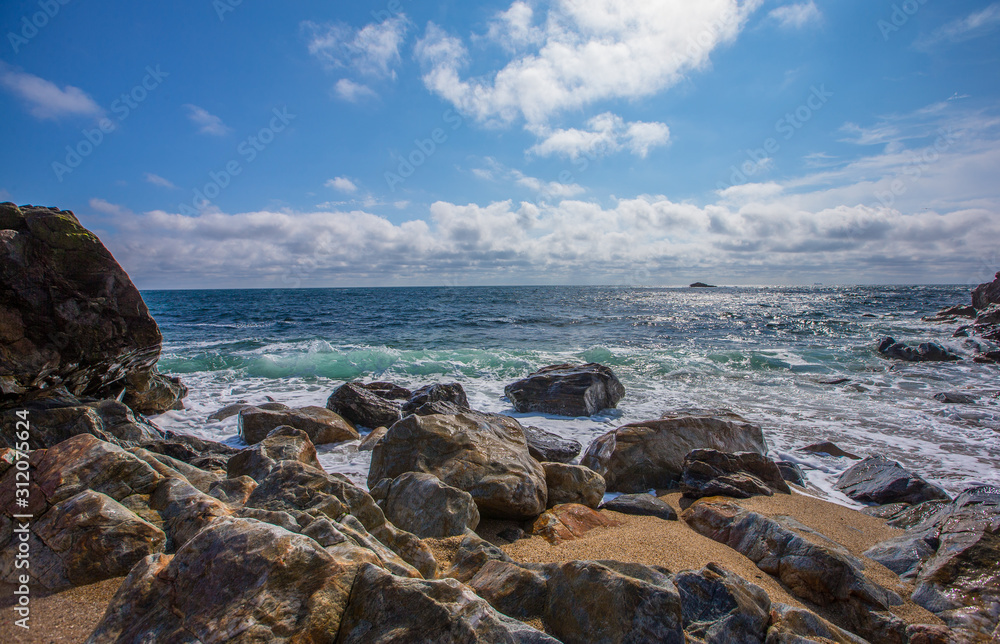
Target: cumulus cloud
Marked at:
352, 92
207, 123
581, 52
372, 50
46, 100
343, 184
605, 134
796, 16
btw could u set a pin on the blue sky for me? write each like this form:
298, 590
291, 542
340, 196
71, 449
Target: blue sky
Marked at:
238, 144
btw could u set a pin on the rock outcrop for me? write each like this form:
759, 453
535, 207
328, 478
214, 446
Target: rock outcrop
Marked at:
709, 472
151, 393
567, 390
69, 314
282, 444
56, 419
650, 455
879, 480
986, 294
420, 503
815, 569
487, 458
322, 425
925, 351
363, 407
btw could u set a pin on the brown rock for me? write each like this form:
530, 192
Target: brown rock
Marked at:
570, 521
650, 455
152, 393
828, 448
237, 581
573, 484
986, 294
322, 425
369, 442
282, 444
487, 459
420, 503
790, 625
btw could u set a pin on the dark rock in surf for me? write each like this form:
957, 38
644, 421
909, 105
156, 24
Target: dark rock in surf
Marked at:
702, 285
387, 390
986, 294
925, 352
450, 392
69, 314
954, 398
791, 472
567, 390
879, 480
829, 449
363, 407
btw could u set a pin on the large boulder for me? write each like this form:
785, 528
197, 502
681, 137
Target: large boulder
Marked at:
810, 565
879, 480
384, 608
487, 458
450, 392
239, 581
548, 447
650, 454
322, 425
582, 602
709, 472
420, 503
925, 351
567, 390
363, 407
573, 484
69, 314
986, 294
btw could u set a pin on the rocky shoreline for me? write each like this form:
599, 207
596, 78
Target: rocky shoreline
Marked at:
475, 528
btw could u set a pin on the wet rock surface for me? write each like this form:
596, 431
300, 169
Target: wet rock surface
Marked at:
567, 390
879, 480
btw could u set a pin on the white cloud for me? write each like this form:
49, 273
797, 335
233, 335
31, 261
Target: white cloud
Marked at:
545, 190
342, 184
796, 16
106, 207
372, 50
514, 29
207, 123
44, 99
157, 180
607, 133
586, 51
976, 24
353, 92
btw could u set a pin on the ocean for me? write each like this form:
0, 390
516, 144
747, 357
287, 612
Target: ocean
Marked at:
799, 361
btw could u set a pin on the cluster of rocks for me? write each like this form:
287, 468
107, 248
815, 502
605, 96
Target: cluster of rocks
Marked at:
982, 329
262, 544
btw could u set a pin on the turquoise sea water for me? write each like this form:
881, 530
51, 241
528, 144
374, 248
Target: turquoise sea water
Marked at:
767, 353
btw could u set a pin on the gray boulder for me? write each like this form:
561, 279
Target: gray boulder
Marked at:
879, 480
363, 407
322, 425
450, 392
573, 484
282, 444
641, 505
548, 447
420, 503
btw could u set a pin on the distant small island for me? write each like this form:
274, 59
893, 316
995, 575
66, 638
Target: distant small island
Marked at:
703, 285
